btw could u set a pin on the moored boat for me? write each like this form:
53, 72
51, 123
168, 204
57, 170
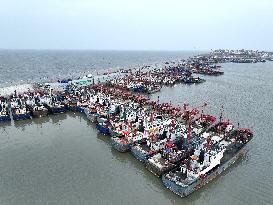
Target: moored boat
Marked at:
56, 108
121, 144
20, 113
19, 109
4, 110
103, 128
38, 110
91, 113
4, 117
125, 140
214, 157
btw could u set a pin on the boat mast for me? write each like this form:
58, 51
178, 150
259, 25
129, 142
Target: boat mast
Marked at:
221, 113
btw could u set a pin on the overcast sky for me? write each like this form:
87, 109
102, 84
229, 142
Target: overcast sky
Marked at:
136, 24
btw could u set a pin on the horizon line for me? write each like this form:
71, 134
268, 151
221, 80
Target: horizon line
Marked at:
106, 49
142, 50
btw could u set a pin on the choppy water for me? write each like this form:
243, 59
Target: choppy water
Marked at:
62, 160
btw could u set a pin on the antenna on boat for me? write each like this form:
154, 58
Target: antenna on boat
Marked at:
189, 130
202, 111
237, 136
221, 113
209, 142
151, 117
185, 106
115, 87
128, 79
122, 88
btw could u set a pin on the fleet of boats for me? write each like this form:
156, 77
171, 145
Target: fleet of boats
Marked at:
181, 144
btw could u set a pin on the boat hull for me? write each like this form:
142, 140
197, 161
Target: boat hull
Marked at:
40, 113
141, 156
92, 117
21, 116
5, 118
71, 107
80, 109
184, 191
101, 119
157, 171
102, 129
113, 133
119, 145
57, 110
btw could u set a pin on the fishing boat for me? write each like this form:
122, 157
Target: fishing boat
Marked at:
80, 107
71, 103
4, 110
153, 89
138, 87
35, 103
191, 80
102, 118
91, 113
19, 109
155, 138
209, 161
4, 116
116, 128
125, 139
202, 123
120, 143
56, 108
165, 160
38, 110
149, 147
20, 113
103, 127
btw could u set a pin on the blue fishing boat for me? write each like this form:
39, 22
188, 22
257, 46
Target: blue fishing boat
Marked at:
4, 117
139, 88
80, 109
103, 128
71, 104
20, 113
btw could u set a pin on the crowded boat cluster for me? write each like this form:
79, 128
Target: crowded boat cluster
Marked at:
151, 80
181, 144
235, 56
